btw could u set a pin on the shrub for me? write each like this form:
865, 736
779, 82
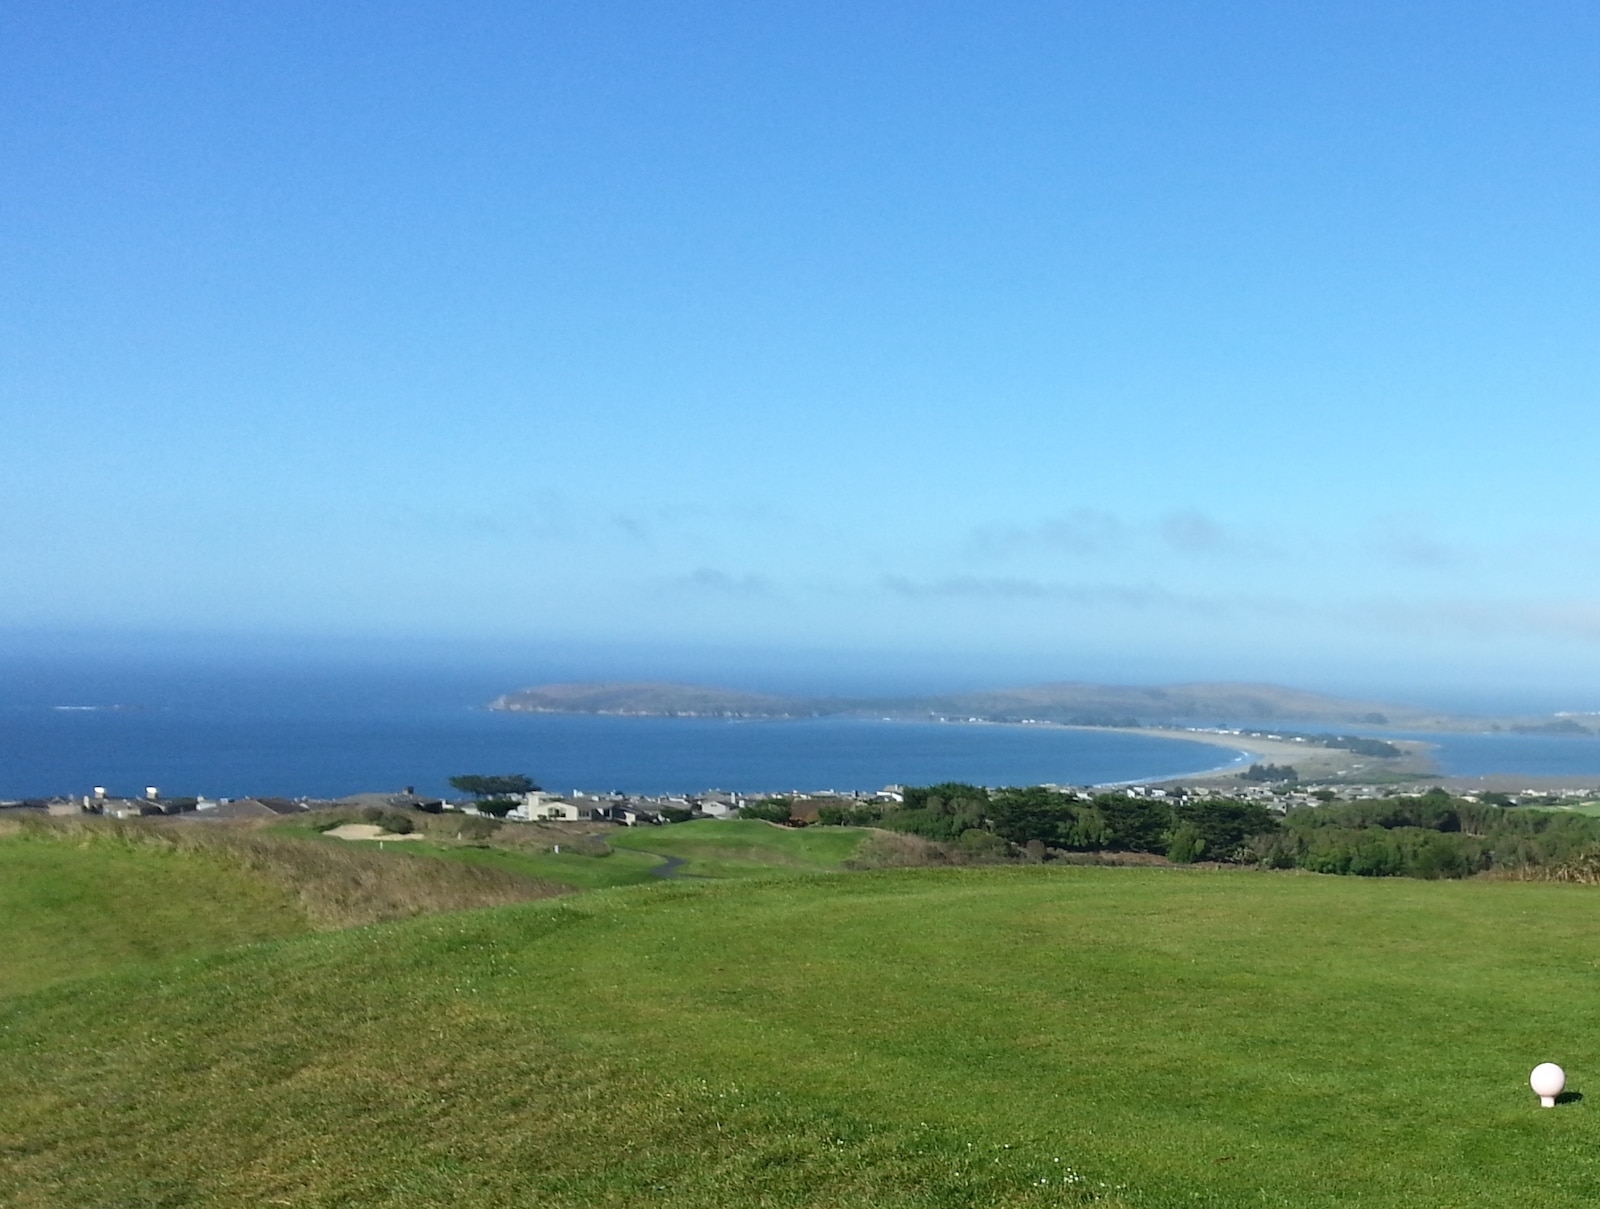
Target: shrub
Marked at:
941, 812
1186, 845
1226, 827
977, 844
848, 816
476, 827
772, 810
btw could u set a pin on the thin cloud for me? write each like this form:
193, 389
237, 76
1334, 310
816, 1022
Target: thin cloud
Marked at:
1191, 532
454, 522
972, 587
630, 526
1406, 546
1558, 620
1080, 533
720, 583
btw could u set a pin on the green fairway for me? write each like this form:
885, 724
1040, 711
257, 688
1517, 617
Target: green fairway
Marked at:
965, 1037
724, 848
570, 866
593, 858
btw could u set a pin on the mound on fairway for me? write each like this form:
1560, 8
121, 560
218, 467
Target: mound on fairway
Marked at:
81, 899
967, 1037
746, 847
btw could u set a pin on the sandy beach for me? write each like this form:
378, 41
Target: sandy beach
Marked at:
1307, 759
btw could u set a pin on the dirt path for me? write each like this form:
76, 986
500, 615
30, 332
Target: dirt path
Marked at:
673, 867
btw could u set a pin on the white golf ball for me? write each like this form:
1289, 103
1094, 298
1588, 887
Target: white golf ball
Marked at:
1547, 1081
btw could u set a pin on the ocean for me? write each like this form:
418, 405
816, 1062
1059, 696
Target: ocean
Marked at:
326, 732
321, 733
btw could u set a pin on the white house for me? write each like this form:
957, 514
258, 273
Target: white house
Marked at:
634, 816
539, 806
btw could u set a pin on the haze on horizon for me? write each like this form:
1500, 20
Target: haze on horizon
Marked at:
948, 345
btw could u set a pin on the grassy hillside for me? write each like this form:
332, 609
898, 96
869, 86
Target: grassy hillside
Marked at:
965, 1037
73, 907
86, 898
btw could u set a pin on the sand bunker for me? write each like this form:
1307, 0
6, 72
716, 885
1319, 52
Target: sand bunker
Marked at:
366, 831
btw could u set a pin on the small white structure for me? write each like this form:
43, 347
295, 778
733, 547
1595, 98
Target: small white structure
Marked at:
1548, 1080
152, 794
542, 807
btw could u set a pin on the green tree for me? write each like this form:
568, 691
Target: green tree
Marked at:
1186, 845
1135, 824
494, 787
941, 812
1225, 826
772, 810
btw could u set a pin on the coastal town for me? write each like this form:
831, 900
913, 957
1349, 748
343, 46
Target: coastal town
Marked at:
803, 808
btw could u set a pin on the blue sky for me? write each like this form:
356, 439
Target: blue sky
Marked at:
1131, 341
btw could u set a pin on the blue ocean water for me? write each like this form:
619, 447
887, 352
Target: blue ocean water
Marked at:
330, 752
1499, 753
320, 731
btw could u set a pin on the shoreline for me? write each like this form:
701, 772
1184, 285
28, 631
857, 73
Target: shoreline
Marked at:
1307, 759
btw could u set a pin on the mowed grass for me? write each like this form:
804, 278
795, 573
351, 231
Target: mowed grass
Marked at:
707, 848
571, 867
731, 848
954, 1037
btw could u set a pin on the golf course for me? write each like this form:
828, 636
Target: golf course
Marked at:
183, 1025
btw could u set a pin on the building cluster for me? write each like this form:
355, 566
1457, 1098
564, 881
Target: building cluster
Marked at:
632, 810
580, 806
153, 802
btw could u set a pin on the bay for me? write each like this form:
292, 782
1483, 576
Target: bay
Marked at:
1507, 754
330, 753
318, 731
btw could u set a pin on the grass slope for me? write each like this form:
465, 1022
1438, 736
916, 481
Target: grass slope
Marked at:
999, 1036
579, 865
72, 909
84, 898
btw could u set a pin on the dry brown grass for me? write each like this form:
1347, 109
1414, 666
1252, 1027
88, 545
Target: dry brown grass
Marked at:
1582, 870
899, 850
336, 886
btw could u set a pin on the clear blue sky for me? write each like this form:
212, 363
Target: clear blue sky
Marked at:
1122, 341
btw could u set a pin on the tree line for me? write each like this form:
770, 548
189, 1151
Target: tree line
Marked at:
1429, 835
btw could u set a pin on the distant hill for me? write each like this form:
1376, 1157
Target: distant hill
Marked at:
1073, 703
648, 698
1102, 705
